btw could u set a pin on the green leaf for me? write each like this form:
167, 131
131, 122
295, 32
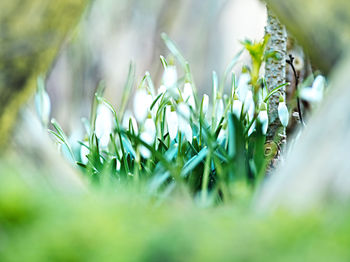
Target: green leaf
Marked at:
194, 162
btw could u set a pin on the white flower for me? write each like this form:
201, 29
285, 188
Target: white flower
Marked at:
161, 89
243, 86
126, 119
188, 95
219, 109
172, 122
43, 106
249, 106
184, 114
170, 77
103, 124
314, 94
263, 118
283, 113
251, 129
148, 135
84, 151
237, 107
142, 104
205, 104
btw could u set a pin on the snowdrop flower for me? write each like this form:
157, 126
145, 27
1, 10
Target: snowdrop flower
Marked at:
172, 122
43, 106
249, 106
103, 124
161, 89
148, 135
243, 86
126, 119
184, 114
283, 112
188, 95
170, 77
237, 107
251, 129
84, 151
205, 105
142, 104
219, 109
314, 94
263, 118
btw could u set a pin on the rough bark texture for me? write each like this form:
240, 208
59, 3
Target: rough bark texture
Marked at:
275, 74
317, 169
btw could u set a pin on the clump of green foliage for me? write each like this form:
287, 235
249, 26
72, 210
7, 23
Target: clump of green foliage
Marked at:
177, 138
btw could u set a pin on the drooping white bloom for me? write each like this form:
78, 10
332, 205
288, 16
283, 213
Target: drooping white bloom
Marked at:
43, 105
142, 104
237, 107
148, 135
283, 113
172, 122
84, 151
170, 77
103, 124
249, 105
219, 109
243, 86
188, 95
314, 94
251, 129
184, 114
128, 116
161, 89
205, 104
263, 118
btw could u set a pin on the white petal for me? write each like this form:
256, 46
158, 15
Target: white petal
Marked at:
248, 102
103, 124
184, 113
84, 151
142, 104
283, 113
264, 120
148, 135
188, 95
243, 86
43, 106
219, 109
170, 77
162, 89
237, 108
205, 103
251, 129
172, 122
319, 83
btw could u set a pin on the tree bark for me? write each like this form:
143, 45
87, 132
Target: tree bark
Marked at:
317, 169
275, 74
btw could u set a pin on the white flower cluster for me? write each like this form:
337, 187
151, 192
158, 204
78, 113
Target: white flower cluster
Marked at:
180, 103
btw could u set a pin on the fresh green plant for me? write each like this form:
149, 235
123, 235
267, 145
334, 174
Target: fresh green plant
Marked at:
177, 138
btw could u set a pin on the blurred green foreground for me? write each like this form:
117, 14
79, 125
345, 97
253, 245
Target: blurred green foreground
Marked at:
40, 225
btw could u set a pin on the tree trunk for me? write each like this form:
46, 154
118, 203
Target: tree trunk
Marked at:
275, 74
317, 169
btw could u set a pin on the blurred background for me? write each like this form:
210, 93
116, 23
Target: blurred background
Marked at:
114, 33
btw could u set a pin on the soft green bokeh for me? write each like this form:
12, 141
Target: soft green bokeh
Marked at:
40, 225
